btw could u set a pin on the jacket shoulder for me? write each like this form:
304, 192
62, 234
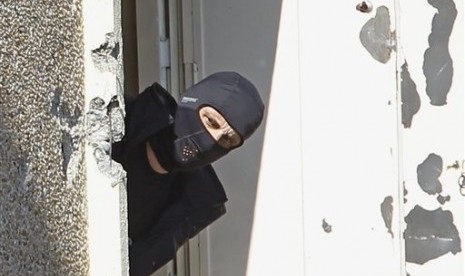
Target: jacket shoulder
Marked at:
150, 111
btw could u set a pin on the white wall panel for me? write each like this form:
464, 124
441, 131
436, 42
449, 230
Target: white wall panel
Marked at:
106, 179
350, 149
277, 244
438, 130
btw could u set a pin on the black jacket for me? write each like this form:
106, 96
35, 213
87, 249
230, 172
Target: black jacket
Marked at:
164, 211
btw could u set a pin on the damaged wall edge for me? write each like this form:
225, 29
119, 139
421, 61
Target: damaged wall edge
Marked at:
106, 186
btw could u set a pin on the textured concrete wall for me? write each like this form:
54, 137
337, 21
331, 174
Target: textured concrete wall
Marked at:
42, 177
49, 124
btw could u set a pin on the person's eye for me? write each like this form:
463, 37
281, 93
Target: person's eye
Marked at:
212, 122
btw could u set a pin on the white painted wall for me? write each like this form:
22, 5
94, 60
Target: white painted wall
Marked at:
331, 147
341, 134
349, 144
106, 193
277, 246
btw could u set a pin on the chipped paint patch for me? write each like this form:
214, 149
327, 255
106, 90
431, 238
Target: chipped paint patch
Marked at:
364, 6
386, 212
428, 173
104, 124
326, 226
105, 57
438, 65
376, 35
405, 193
410, 98
430, 234
443, 199
455, 165
461, 183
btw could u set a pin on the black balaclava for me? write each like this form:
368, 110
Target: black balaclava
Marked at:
188, 145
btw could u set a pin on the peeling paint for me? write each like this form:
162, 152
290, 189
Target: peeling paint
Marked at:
438, 65
116, 114
376, 35
455, 165
461, 183
386, 213
326, 226
364, 6
443, 199
405, 194
410, 98
428, 174
100, 131
430, 234
105, 57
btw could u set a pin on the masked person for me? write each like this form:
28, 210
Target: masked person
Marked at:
172, 190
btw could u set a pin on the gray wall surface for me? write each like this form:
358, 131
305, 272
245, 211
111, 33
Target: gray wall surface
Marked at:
42, 177
241, 36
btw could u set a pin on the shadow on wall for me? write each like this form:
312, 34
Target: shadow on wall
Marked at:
239, 36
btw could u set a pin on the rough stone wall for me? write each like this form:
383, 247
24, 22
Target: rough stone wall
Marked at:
42, 176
